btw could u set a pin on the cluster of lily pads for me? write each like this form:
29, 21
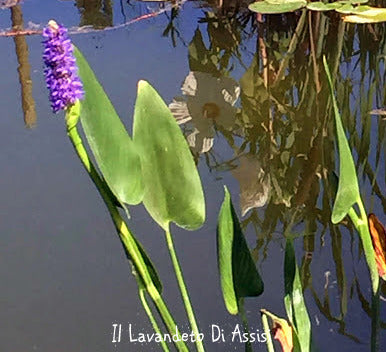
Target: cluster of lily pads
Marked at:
353, 10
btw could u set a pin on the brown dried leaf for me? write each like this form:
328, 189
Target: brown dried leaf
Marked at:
378, 237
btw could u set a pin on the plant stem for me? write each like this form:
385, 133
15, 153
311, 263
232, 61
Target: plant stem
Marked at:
142, 296
125, 234
267, 332
184, 291
248, 345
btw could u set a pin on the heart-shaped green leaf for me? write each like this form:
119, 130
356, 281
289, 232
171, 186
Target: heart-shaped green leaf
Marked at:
238, 274
278, 6
113, 149
173, 191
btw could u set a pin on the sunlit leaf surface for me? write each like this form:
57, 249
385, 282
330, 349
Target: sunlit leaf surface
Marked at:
294, 300
277, 6
366, 14
109, 141
238, 274
348, 190
173, 191
321, 6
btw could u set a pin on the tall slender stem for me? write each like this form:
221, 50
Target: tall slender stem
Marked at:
142, 296
184, 291
125, 234
267, 332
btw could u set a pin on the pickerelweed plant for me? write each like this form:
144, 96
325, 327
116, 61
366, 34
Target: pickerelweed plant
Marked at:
348, 194
156, 169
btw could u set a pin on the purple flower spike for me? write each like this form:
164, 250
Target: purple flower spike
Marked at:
61, 71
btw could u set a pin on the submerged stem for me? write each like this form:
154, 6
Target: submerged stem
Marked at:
184, 291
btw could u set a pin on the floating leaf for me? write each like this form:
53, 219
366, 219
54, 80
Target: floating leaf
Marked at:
348, 8
321, 6
366, 14
113, 149
378, 237
277, 6
348, 190
173, 190
238, 274
294, 300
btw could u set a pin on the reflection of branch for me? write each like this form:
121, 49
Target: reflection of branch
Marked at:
291, 48
24, 68
326, 311
313, 54
15, 33
262, 48
83, 30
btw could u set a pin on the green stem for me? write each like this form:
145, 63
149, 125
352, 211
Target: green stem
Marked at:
124, 233
142, 296
375, 310
362, 226
267, 332
184, 291
248, 345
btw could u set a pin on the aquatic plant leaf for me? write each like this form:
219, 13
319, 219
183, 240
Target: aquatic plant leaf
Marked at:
346, 8
378, 237
238, 273
294, 300
348, 190
173, 191
150, 266
321, 6
277, 6
112, 147
366, 14
282, 331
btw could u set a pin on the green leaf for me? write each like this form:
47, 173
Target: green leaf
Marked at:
366, 14
277, 6
173, 190
294, 300
321, 6
238, 274
109, 141
149, 264
348, 190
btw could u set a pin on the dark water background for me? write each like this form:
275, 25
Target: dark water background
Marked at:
64, 279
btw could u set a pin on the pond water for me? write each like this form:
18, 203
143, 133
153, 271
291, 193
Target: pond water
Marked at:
260, 123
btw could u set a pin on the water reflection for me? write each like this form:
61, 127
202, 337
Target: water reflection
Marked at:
24, 69
254, 183
207, 102
96, 13
283, 138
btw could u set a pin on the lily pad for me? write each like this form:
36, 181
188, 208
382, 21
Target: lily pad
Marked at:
278, 6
